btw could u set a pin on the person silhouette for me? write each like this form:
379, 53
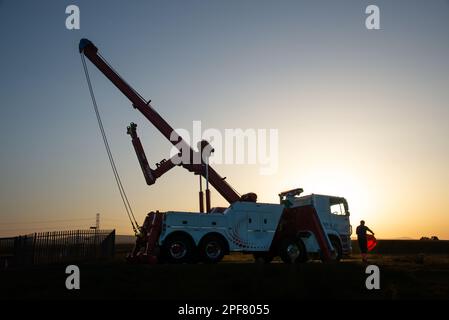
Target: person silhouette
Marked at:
361, 238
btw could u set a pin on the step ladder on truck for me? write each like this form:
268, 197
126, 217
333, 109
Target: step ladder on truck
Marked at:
296, 229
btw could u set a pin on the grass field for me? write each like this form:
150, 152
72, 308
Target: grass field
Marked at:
408, 270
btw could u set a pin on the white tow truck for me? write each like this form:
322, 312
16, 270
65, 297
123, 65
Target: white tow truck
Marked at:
296, 229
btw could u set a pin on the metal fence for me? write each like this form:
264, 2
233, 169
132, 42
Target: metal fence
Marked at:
57, 246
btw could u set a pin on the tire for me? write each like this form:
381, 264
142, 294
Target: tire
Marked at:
293, 251
212, 249
262, 257
178, 248
337, 246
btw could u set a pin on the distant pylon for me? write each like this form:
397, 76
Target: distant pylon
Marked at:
97, 223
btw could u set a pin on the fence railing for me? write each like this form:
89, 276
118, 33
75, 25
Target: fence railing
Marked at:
57, 246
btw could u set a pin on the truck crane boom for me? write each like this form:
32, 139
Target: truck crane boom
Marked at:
89, 50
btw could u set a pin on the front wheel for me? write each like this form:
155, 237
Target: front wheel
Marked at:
293, 251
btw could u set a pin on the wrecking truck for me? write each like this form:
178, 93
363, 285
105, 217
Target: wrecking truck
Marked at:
296, 229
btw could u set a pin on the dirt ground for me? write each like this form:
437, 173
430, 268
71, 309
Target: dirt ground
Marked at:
402, 276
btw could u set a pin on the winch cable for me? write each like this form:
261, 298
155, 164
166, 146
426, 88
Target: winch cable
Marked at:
123, 195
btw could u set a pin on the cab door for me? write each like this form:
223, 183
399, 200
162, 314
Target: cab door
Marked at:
340, 219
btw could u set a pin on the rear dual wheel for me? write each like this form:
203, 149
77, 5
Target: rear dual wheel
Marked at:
178, 248
293, 251
212, 249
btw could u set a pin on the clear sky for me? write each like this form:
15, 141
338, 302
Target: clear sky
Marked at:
361, 113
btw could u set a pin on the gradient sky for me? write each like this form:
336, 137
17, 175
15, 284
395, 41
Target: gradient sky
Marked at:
361, 114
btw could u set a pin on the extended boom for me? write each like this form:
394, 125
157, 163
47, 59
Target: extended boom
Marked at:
87, 48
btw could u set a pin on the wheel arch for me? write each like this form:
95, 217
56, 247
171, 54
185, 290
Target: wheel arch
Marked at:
179, 233
339, 243
332, 235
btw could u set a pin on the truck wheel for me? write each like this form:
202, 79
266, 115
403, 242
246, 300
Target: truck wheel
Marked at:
337, 246
178, 249
212, 249
293, 251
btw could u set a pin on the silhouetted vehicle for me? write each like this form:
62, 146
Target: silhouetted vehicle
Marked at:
297, 226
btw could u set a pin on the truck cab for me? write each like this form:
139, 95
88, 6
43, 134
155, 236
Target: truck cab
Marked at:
333, 213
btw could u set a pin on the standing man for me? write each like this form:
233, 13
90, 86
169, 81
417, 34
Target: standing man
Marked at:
361, 237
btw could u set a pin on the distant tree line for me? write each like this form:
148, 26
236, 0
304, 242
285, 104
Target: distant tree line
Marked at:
431, 238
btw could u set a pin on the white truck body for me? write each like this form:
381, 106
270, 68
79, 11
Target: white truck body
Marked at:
247, 226
251, 227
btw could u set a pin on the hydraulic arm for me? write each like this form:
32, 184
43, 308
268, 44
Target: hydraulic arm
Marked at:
87, 48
